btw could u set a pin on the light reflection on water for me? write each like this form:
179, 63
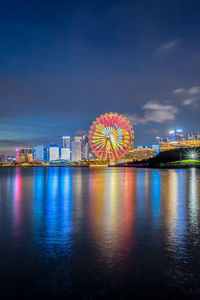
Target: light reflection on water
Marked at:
76, 232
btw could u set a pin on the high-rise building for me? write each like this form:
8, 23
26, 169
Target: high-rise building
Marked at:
11, 159
65, 154
39, 153
162, 140
76, 150
54, 153
65, 151
24, 155
2, 158
193, 136
85, 153
84, 147
66, 142
78, 138
176, 135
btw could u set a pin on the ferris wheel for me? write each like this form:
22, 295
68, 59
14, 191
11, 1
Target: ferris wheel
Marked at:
111, 136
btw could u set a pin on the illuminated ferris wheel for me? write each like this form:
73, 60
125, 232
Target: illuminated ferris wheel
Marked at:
111, 136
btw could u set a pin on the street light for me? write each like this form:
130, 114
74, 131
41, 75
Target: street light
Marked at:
192, 154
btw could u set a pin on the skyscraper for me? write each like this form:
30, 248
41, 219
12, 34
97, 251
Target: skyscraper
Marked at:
53, 153
11, 159
78, 138
2, 158
66, 142
176, 135
24, 155
76, 151
193, 136
39, 153
86, 151
84, 147
65, 154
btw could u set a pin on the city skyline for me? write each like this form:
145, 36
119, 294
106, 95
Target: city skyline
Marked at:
59, 73
59, 141
77, 148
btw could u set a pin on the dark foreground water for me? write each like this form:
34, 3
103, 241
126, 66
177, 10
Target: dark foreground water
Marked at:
110, 233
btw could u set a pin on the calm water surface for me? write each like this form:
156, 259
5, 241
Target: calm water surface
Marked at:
117, 233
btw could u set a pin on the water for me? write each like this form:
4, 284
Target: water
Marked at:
99, 233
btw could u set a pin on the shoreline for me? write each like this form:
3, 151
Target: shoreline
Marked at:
105, 166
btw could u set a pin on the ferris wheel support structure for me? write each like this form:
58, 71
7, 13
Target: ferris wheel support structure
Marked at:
108, 140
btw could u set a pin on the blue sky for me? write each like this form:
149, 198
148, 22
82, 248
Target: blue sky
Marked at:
63, 63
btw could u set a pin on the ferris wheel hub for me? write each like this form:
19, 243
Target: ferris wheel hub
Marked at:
109, 136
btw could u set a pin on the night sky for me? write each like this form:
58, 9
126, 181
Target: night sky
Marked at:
63, 63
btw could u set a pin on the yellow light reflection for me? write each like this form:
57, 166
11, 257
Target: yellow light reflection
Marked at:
112, 211
193, 197
170, 198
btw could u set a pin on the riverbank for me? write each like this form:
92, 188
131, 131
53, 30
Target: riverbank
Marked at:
181, 164
41, 165
184, 164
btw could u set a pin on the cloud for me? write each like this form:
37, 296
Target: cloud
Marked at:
156, 112
179, 91
192, 93
168, 45
188, 101
194, 90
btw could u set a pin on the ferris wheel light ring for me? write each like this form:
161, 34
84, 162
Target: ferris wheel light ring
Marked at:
111, 136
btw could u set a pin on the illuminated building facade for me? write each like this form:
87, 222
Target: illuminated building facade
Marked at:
24, 155
161, 139
11, 159
139, 154
176, 135
39, 153
85, 152
54, 153
64, 154
2, 158
66, 141
76, 151
84, 147
193, 136
177, 145
78, 138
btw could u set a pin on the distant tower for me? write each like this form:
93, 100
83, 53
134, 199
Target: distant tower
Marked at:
176, 135
76, 150
54, 153
86, 151
39, 153
65, 154
24, 155
78, 138
66, 142
193, 136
